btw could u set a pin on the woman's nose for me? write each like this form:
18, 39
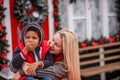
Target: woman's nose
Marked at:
51, 44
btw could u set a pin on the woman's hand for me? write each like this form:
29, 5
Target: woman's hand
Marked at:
49, 41
16, 76
29, 69
25, 66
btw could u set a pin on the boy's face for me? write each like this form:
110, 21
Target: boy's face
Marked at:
32, 38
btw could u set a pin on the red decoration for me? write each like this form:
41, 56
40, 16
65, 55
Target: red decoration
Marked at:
3, 55
111, 40
55, 12
56, 23
1, 27
3, 66
94, 43
1, 2
101, 41
83, 45
4, 38
118, 36
55, 2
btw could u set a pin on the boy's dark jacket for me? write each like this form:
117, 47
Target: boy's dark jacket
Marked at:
30, 57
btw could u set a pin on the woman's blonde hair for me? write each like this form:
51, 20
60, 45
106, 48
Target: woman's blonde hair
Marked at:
71, 53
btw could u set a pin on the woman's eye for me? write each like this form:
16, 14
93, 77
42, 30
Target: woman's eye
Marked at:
52, 39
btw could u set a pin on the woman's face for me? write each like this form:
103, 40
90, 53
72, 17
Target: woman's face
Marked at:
56, 45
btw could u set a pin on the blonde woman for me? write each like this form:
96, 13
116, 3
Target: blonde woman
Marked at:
63, 43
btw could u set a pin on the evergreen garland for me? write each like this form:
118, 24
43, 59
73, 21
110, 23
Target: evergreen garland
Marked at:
3, 41
56, 15
30, 10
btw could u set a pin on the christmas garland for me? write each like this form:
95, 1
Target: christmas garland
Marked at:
56, 15
3, 41
102, 40
30, 10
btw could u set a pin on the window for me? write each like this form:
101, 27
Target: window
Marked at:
92, 18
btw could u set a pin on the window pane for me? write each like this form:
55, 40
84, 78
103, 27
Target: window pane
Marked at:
111, 6
113, 25
96, 18
79, 8
63, 10
80, 28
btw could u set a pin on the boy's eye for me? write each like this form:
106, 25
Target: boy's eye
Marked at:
34, 37
27, 37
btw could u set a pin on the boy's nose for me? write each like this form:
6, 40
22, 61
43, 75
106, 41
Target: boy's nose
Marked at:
30, 39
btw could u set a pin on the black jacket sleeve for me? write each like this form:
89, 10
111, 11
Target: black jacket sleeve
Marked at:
17, 60
49, 60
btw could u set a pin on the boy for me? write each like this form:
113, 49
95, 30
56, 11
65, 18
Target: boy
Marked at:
32, 49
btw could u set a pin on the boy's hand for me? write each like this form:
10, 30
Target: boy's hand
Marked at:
31, 69
16, 76
30, 46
